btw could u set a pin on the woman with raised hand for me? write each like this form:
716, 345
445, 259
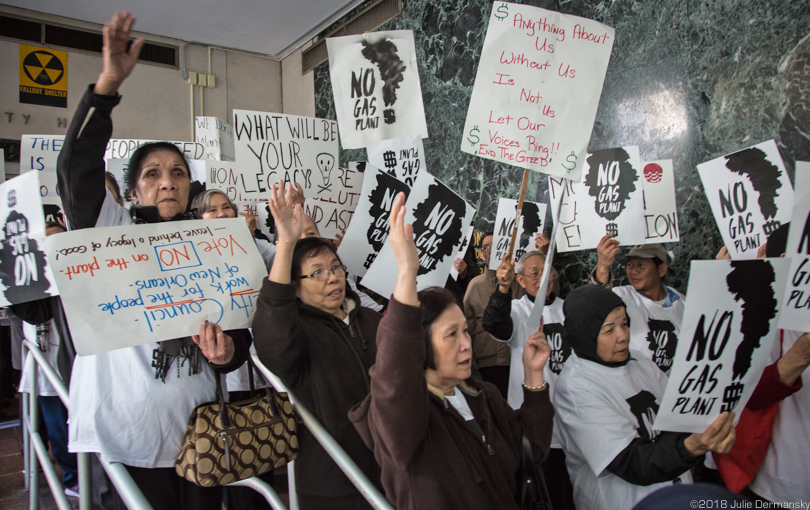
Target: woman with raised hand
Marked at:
312, 332
442, 439
132, 405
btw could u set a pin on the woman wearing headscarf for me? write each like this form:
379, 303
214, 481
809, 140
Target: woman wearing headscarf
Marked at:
606, 401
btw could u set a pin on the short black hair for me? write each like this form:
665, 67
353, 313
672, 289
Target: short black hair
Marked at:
306, 248
434, 302
133, 172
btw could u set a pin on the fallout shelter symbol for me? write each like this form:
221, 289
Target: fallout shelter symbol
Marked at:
43, 68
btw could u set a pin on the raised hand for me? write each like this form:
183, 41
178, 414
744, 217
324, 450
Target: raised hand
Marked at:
505, 274
541, 243
460, 265
718, 438
215, 345
536, 353
606, 252
118, 61
286, 213
297, 195
723, 254
400, 237
250, 219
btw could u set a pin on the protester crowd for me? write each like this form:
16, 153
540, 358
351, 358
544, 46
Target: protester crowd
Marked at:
433, 398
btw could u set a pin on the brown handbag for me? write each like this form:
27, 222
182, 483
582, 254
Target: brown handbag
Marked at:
230, 441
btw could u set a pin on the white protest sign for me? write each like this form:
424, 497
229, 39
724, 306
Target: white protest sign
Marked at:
439, 218
375, 83
332, 207
368, 230
402, 158
660, 209
216, 136
25, 274
462, 251
750, 195
608, 200
729, 325
531, 223
2, 166
273, 146
39, 152
537, 88
796, 312
131, 285
225, 176
122, 148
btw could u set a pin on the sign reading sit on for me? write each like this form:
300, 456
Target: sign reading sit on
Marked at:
43, 76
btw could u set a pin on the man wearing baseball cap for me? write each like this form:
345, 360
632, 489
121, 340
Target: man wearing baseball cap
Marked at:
654, 309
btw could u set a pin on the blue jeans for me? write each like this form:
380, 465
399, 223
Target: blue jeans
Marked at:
55, 416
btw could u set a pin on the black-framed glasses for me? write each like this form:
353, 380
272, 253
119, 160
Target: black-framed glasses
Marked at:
321, 275
532, 276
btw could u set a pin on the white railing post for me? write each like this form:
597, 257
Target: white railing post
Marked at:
33, 430
85, 481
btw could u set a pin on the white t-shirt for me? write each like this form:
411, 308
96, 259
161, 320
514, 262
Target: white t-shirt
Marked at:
654, 328
267, 251
784, 476
600, 410
117, 406
45, 388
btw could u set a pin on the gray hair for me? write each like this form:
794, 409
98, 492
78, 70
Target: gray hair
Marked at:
522, 260
202, 201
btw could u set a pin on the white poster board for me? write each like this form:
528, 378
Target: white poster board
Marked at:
729, 326
402, 158
462, 250
531, 223
131, 285
375, 83
2, 166
368, 230
750, 195
225, 176
25, 274
122, 148
39, 152
440, 219
660, 209
537, 88
796, 312
216, 136
608, 200
332, 206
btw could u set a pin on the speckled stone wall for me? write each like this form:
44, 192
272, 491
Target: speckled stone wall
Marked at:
688, 80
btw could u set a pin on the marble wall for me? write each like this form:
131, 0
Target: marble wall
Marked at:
688, 80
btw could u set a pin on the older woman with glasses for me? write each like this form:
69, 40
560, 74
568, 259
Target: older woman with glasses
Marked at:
312, 332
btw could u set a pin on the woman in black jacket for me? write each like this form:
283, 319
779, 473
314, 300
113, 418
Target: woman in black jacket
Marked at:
132, 405
313, 334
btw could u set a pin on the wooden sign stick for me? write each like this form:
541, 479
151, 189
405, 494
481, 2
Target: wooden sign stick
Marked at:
519, 211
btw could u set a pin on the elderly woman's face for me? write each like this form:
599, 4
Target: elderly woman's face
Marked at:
164, 182
218, 207
328, 294
452, 347
613, 342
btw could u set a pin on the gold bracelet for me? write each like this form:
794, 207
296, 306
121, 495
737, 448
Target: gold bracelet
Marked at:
536, 388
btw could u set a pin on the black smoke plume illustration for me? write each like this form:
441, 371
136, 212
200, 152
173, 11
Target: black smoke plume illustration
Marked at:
531, 225
611, 179
22, 262
437, 226
560, 349
662, 340
384, 54
764, 176
382, 196
752, 283
644, 408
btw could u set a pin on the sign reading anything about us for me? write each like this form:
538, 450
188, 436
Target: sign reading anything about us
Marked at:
216, 136
796, 312
660, 209
729, 326
368, 229
462, 251
440, 218
273, 146
537, 88
531, 224
129, 285
608, 200
750, 195
43, 76
375, 83
25, 274
402, 158
332, 210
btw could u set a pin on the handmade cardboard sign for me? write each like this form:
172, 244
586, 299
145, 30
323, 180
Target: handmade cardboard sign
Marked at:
439, 218
729, 325
375, 83
225, 176
122, 148
402, 158
608, 200
25, 274
531, 224
537, 88
796, 312
332, 209
131, 285
660, 209
462, 251
368, 230
216, 136
750, 195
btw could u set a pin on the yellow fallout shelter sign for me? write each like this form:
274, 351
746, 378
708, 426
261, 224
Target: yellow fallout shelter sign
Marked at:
43, 76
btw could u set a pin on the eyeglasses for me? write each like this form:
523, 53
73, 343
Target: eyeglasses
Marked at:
532, 276
321, 275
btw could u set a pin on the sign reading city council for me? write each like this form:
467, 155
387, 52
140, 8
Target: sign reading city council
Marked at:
43, 76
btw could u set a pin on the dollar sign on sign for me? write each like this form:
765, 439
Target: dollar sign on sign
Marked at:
474, 138
502, 12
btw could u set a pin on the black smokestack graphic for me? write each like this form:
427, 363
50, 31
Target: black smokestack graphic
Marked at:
611, 178
382, 196
662, 340
531, 224
437, 226
752, 283
384, 54
644, 408
764, 176
24, 272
